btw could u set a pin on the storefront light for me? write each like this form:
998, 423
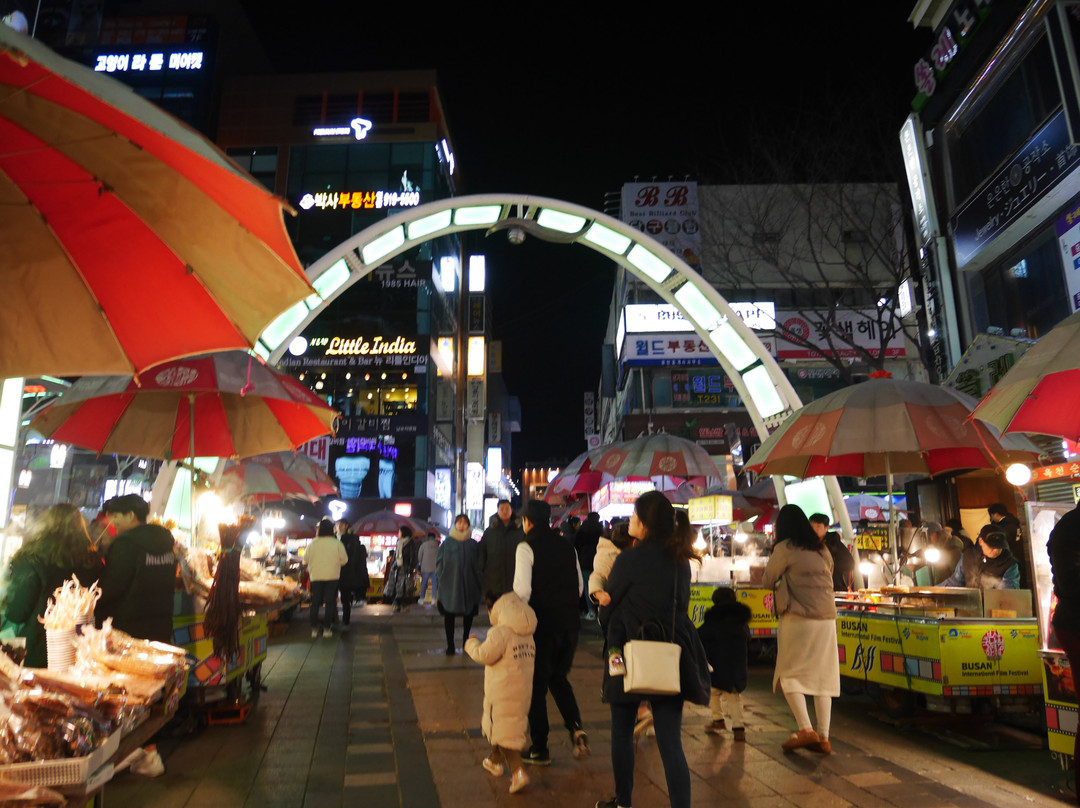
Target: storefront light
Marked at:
1018, 474
448, 266
477, 273
475, 365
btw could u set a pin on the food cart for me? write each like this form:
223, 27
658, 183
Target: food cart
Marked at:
942, 647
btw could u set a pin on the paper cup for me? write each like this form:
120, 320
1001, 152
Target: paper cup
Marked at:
83, 620
60, 648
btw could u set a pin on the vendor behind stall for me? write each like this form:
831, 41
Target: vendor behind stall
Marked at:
987, 565
140, 572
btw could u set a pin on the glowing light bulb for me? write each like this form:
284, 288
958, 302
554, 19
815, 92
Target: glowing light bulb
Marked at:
1018, 474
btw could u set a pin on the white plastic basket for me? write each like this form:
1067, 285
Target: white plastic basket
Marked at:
63, 772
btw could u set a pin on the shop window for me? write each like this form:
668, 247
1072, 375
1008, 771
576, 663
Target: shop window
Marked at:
369, 157
1010, 112
1023, 293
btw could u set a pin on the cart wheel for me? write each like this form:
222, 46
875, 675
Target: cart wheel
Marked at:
897, 703
254, 677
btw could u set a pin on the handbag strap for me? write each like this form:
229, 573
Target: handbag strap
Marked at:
674, 601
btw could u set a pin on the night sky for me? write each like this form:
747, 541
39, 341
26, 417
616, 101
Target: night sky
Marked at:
572, 105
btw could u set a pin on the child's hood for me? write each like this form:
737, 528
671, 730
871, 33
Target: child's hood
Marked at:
513, 613
729, 612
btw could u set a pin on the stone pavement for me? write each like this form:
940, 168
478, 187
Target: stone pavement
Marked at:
381, 716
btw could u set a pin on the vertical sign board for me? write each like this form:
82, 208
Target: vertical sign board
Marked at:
476, 314
1068, 233
590, 414
474, 398
494, 437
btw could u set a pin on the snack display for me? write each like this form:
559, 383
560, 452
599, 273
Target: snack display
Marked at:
70, 605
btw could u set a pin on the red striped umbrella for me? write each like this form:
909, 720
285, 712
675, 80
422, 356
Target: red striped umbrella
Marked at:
1038, 394
127, 239
256, 482
240, 408
309, 478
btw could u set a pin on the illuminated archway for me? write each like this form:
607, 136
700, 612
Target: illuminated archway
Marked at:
762, 385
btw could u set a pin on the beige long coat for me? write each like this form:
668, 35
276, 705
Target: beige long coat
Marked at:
507, 653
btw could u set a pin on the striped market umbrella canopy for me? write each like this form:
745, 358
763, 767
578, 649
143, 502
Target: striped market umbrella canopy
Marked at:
218, 405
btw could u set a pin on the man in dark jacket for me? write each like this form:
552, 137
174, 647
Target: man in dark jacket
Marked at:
585, 542
843, 563
353, 583
498, 548
140, 572
987, 565
547, 577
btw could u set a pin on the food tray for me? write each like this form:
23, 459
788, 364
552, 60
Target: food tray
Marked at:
65, 771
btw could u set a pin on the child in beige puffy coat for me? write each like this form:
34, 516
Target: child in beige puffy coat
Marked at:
508, 653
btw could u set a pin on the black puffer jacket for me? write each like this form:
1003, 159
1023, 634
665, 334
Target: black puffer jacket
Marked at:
725, 633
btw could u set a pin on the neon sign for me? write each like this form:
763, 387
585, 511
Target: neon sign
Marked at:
358, 128
363, 347
148, 62
357, 200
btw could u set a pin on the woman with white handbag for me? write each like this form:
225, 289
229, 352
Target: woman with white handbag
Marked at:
806, 660
653, 649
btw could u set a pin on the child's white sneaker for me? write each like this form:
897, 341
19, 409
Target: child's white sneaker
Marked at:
495, 769
518, 781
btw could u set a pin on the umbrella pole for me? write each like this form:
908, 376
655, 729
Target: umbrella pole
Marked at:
892, 523
191, 472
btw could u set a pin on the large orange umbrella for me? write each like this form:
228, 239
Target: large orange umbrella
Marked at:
886, 426
127, 238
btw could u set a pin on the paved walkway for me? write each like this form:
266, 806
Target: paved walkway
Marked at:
383, 717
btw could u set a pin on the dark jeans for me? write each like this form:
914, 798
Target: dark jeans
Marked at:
554, 657
448, 624
667, 722
1070, 644
323, 593
347, 598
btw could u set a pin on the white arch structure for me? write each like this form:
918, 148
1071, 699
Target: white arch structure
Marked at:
762, 385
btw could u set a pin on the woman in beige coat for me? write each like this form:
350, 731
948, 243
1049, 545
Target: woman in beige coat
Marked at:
507, 653
807, 663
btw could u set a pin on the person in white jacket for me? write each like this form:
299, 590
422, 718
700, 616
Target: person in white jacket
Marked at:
325, 557
507, 653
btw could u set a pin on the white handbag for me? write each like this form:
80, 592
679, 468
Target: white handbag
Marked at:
652, 668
